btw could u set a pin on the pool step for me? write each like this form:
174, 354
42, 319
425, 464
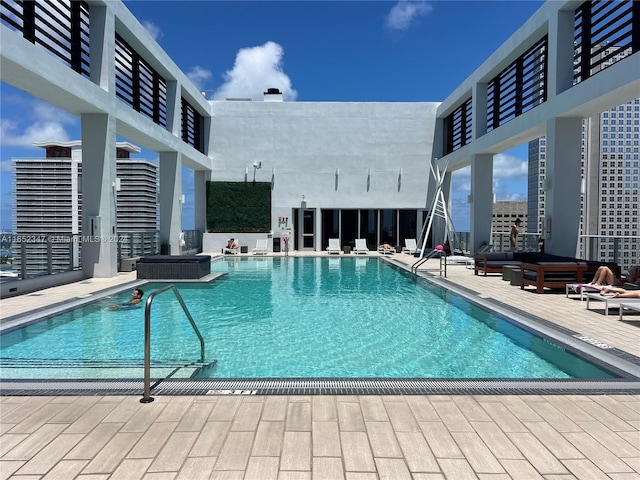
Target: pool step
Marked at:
17, 368
204, 370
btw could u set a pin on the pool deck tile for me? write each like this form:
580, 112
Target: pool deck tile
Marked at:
419, 437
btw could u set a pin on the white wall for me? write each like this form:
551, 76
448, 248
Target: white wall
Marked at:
325, 151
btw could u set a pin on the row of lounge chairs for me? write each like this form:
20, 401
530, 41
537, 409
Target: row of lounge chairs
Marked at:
361, 248
334, 247
592, 293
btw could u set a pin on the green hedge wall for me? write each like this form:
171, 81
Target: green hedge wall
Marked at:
238, 207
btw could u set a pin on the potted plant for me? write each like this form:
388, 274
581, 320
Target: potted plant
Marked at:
165, 248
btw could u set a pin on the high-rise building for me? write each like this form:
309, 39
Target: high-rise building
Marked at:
610, 209
48, 202
536, 187
504, 216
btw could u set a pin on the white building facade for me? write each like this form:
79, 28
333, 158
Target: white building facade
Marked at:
361, 167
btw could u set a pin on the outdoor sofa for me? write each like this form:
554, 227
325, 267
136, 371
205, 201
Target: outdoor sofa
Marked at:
492, 262
557, 274
541, 270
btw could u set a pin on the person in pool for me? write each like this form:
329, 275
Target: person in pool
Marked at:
136, 298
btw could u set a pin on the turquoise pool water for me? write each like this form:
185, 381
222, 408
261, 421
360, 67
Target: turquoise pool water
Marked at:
300, 317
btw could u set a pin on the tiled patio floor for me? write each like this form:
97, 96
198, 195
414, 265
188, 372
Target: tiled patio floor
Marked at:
337, 436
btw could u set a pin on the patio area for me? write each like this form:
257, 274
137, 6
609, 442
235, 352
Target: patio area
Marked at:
335, 436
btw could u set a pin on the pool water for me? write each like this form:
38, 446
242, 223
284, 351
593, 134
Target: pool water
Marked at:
302, 317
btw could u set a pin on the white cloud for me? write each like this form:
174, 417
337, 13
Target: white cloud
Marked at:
255, 70
404, 13
153, 29
508, 166
508, 171
461, 180
199, 76
40, 130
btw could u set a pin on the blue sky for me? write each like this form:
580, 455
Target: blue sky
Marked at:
360, 51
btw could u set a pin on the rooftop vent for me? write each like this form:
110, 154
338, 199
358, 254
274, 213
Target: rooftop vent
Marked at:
273, 95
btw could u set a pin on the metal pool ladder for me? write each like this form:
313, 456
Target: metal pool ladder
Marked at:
422, 259
147, 398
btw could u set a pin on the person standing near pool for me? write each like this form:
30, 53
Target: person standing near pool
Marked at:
515, 231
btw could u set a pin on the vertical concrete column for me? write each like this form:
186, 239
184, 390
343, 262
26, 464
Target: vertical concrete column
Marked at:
174, 108
481, 199
207, 134
563, 185
200, 179
560, 53
479, 114
102, 47
590, 184
99, 249
170, 204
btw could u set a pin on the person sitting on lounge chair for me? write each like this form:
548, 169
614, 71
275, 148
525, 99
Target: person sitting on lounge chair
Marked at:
232, 244
620, 292
605, 276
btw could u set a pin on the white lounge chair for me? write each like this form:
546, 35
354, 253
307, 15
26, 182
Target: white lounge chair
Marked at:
386, 251
334, 246
614, 302
459, 259
628, 306
232, 251
410, 246
262, 247
361, 246
581, 288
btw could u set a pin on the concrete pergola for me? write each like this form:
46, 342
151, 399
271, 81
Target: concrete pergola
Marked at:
103, 118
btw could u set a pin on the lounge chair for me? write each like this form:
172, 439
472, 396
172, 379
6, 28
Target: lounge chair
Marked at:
582, 289
386, 251
334, 246
410, 246
614, 302
628, 306
459, 259
233, 251
361, 246
262, 247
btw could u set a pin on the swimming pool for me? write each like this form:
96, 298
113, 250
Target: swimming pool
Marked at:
290, 318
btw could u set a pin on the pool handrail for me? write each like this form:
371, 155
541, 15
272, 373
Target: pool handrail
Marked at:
422, 259
146, 397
